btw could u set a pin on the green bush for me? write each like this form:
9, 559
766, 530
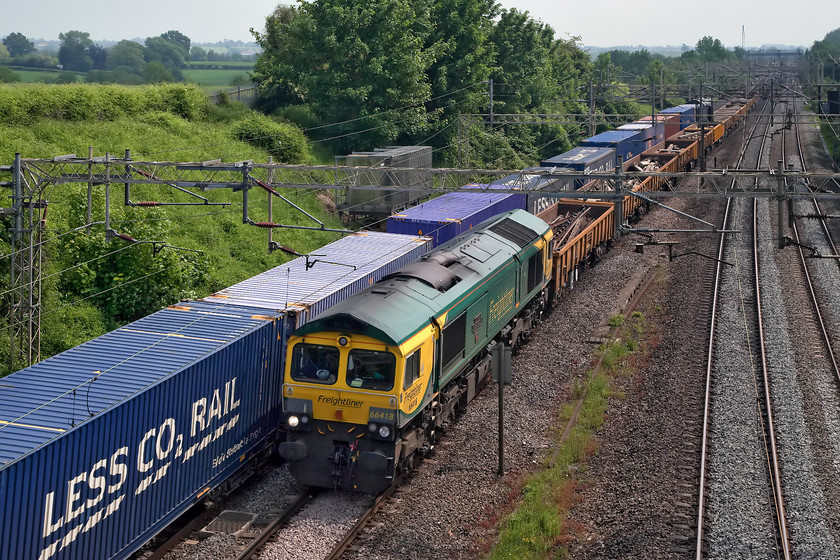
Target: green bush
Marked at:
8, 75
300, 115
284, 141
127, 280
65, 77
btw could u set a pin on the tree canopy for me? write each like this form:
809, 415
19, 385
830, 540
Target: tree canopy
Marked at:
369, 80
73, 52
351, 61
17, 44
827, 52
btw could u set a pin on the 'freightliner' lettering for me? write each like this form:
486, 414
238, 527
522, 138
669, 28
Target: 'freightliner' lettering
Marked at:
339, 402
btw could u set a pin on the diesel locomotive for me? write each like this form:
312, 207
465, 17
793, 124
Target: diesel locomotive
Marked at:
371, 383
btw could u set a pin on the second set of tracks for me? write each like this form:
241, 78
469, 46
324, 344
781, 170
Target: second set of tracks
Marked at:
752, 371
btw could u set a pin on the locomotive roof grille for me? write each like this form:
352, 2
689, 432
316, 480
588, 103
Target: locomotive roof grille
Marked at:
514, 231
429, 272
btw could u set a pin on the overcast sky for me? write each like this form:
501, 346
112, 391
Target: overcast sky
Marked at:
603, 23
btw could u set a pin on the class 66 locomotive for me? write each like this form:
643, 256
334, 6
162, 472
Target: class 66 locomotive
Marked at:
370, 384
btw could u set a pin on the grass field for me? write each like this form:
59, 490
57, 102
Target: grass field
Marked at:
34, 76
210, 79
206, 64
219, 79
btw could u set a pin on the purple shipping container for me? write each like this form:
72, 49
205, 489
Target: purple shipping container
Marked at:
105, 444
446, 216
626, 143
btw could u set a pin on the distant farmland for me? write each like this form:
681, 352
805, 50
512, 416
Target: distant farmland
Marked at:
209, 78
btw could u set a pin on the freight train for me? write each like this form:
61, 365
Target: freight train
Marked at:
105, 444
371, 384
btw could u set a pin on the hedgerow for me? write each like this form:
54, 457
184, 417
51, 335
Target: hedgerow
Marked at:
22, 105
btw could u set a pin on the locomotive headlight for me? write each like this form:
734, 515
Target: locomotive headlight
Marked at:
384, 431
304, 419
372, 427
292, 421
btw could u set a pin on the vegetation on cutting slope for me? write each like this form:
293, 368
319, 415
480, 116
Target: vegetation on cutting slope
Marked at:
92, 285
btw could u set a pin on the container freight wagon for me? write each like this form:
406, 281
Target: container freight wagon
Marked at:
626, 143
583, 159
582, 232
105, 444
447, 216
684, 149
373, 171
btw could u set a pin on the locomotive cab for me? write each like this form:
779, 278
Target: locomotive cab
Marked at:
342, 395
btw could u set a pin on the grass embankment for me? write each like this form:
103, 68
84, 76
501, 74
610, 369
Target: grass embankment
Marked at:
538, 528
157, 123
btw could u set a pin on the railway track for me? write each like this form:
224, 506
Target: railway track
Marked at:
768, 460
830, 353
277, 524
734, 388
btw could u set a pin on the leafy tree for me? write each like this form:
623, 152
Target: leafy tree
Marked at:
171, 55
18, 44
73, 52
275, 68
353, 62
128, 55
460, 40
197, 53
523, 45
828, 53
833, 36
4, 53
654, 71
635, 62
179, 39
156, 73
98, 55
709, 49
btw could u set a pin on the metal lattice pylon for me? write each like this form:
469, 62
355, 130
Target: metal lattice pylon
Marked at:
24, 294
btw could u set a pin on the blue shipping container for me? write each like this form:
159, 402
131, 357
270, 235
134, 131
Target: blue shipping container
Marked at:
626, 143
105, 444
585, 159
686, 113
446, 216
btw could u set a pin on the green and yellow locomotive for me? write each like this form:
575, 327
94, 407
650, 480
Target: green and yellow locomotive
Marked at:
370, 383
